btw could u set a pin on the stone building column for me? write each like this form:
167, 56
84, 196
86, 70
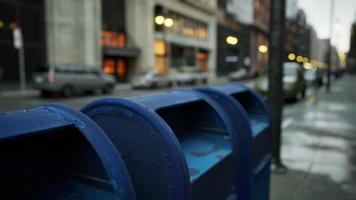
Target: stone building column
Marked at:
73, 32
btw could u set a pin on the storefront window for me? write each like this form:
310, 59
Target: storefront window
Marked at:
113, 39
202, 57
109, 66
161, 60
184, 25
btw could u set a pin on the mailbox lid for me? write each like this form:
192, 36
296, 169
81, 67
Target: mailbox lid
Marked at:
253, 104
43, 126
151, 152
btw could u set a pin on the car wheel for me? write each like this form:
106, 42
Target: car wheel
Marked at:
153, 85
45, 93
67, 91
107, 89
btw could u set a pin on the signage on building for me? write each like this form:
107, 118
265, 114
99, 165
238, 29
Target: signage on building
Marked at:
17, 38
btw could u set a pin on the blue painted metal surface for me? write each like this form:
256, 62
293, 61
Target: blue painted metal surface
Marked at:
251, 118
54, 152
176, 145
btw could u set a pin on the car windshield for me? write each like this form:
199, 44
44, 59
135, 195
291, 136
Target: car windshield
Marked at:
290, 70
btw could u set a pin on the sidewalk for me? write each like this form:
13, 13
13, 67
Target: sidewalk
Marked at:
319, 147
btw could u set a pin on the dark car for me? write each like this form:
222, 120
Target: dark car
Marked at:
294, 86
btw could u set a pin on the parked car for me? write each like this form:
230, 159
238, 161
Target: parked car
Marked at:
70, 79
189, 76
152, 80
239, 75
313, 78
294, 86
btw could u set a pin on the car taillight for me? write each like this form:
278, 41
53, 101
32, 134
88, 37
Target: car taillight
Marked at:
50, 78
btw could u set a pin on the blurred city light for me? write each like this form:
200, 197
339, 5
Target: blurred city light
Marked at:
159, 20
2, 24
308, 66
300, 59
291, 56
263, 48
168, 22
232, 40
305, 60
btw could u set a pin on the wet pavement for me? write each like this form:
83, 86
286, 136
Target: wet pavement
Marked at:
319, 146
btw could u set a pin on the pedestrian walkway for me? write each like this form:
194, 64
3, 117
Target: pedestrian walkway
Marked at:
319, 147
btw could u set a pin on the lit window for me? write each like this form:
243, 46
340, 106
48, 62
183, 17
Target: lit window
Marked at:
160, 47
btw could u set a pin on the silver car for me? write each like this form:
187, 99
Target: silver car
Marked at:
189, 76
70, 79
152, 80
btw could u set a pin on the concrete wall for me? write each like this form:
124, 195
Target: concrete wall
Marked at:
73, 32
242, 10
139, 27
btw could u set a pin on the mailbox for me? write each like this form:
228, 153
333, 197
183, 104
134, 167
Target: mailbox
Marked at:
244, 105
54, 152
176, 145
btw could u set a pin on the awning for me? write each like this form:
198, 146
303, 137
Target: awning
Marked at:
125, 52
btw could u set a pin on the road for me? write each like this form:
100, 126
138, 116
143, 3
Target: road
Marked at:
12, 101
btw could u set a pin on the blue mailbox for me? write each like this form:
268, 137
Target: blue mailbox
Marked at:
54, 152
244, 105
176, 145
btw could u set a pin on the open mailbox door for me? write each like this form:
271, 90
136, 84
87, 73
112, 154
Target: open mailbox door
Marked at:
244, 105
54, 152
176, 145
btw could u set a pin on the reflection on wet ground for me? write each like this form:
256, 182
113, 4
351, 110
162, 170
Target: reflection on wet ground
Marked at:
319, 147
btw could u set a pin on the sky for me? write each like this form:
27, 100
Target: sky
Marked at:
318, 15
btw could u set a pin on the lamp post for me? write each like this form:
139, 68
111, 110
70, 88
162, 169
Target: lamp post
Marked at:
275, 83
328, 83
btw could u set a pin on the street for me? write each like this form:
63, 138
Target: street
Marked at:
11, 101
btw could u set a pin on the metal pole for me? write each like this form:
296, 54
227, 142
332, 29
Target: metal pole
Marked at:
22, 68
275, 83
328, 84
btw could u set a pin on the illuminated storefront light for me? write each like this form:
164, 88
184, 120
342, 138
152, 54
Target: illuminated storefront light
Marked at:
263, 48
159, 20
232, 40
291, 56
300, 59
168, 22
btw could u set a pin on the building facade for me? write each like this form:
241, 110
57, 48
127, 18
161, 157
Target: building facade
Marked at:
30, 17
120, 37
233, 37
260, 35
173, 34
